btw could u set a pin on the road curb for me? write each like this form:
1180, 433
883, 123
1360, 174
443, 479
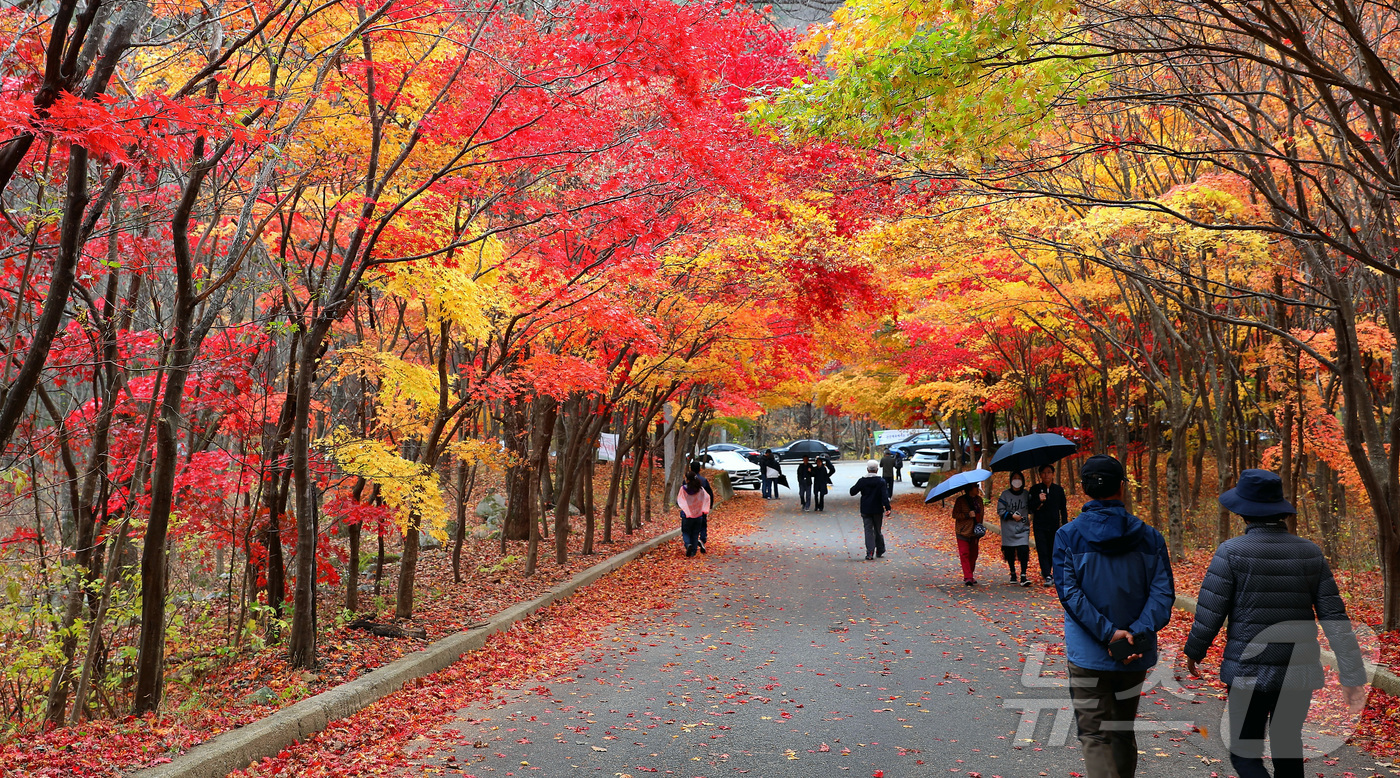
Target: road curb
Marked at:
239, 748
1382, 677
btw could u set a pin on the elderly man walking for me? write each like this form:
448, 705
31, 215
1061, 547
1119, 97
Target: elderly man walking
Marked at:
874, 508
1114, 579
1273, 587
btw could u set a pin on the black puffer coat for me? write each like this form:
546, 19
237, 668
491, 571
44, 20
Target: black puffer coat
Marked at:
1273, 587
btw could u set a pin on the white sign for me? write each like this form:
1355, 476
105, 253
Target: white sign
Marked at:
888, 437
607, 447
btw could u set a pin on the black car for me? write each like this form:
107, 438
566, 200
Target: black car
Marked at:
921, 441
807, 448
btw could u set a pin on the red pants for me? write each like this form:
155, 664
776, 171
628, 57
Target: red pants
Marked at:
967, 552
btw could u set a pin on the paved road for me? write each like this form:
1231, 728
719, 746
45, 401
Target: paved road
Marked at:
800, 658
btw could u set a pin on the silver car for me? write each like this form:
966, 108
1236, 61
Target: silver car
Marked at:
741, 471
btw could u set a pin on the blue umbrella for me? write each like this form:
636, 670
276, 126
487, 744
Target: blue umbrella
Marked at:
957, 483
1031, 451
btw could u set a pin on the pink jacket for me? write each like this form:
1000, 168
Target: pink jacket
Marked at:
693, 505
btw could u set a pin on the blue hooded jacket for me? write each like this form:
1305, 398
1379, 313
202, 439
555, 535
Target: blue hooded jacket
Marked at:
1112, 572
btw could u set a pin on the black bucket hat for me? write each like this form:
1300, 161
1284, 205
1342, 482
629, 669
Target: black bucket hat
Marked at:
1259, 493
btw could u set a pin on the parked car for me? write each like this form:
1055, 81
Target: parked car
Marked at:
807, 448
920, 441
743, 451
926, 462
741, 471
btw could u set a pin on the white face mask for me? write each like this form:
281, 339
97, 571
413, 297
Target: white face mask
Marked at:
1017, 484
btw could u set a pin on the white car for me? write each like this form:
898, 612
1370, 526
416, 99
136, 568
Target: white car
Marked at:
741, 471
928, 461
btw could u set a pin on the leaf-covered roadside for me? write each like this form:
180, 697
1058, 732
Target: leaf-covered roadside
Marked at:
542, 650
216, 700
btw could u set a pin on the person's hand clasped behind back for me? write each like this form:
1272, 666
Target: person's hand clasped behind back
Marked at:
1123, 634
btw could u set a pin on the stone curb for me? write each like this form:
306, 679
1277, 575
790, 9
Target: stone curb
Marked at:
1382, 677
239, 748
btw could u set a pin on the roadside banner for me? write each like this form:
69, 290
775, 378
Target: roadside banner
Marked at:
607, 447
889, 437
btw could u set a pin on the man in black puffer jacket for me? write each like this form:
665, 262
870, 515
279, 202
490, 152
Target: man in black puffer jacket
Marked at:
1273, 587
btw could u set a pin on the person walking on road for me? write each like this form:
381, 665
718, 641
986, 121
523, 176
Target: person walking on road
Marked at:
770, 470
1049, 512
874, 508
1013, 508
694, 503
704, 484
805, 473
1272, 587
887, 463
821, 483
898, 465
1114, 579
967, 522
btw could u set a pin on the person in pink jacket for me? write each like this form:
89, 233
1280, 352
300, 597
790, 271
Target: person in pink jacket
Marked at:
694, 503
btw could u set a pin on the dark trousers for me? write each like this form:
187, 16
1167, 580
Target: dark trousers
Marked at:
768, 487
889, 485
690, 532
819, 499
1014, 554
1045, 530
1282, 714
804, 493
1105, 709
874, 538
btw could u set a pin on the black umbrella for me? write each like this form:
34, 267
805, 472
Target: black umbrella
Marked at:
806, 448
1031, 451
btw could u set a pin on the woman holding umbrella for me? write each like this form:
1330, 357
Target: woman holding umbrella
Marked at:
967, 520
967, 515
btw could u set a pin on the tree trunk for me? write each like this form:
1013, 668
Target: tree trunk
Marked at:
1329, 528
614, 489
150, 663
302, 640
571, 453
1198, 461
546, 409
465, 487
519, 496
352, 569
1176, 463
589, 519
408, 567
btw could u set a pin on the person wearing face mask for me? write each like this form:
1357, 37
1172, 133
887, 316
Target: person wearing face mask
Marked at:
1013, 508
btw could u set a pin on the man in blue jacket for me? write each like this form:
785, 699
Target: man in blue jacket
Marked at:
1114, 579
